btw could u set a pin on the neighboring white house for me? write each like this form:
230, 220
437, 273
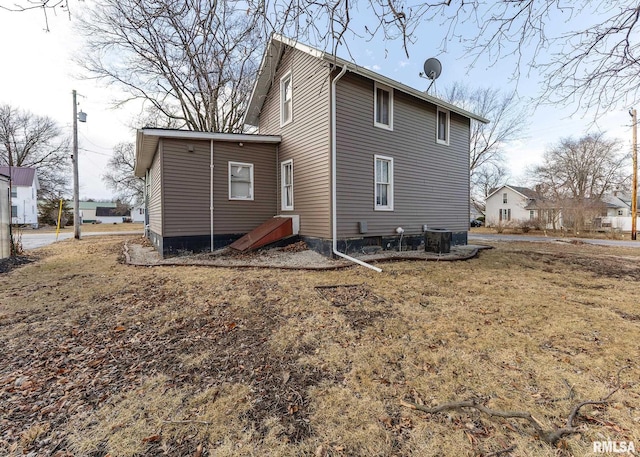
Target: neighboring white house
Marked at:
618, 216
507, 204
138, 213
109, 215
510, 206
88, 210
5, 218
24, 194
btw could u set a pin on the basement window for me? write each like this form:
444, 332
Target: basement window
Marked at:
240, 181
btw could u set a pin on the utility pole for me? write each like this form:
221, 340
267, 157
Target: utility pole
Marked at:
76, 184
634, 195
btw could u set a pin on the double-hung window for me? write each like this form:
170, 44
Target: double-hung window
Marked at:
383, 183
14, 192
442, 126
286, 177
383, 106
286, 99
240, 181
14, 211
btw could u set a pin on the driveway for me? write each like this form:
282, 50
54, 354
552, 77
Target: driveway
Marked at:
36, 240
489, 237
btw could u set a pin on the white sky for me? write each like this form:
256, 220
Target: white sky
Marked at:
37, 75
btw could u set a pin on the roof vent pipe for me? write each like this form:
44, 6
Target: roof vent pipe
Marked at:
334, 223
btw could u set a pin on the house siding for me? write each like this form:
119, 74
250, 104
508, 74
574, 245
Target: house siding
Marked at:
305, 140
239, 216
185, 186
431, 180
516, 203
187, 182
155, 197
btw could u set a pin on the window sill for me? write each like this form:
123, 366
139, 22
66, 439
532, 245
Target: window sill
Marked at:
383, 126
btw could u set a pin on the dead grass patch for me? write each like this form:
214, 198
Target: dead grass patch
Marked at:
99, 357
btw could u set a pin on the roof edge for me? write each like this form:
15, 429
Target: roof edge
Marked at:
252, 112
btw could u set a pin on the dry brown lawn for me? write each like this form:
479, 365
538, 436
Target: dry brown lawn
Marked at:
92, 228
99, 358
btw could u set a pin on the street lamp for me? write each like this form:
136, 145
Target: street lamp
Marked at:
82, 117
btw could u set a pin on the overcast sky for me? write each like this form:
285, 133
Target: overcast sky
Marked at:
38, 75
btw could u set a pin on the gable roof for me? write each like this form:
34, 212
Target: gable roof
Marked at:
147, 142
524, 191
269, 65
21, 176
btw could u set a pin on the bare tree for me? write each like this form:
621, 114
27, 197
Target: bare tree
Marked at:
576, 173
120, 177
587, 50
45, 6
194, 61
488, 141
28, 140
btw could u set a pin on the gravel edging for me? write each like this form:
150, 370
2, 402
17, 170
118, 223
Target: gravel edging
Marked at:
278, 263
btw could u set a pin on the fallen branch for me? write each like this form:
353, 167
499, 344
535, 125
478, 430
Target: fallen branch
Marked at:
548, 436
501, 451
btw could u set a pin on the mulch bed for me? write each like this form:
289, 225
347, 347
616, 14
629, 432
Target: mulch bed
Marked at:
10, 263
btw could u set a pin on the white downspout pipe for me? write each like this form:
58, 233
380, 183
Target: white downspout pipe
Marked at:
211, 194
334, 212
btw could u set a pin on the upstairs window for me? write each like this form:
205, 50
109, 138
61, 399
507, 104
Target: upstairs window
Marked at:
442, 126
14, 192
286, 169
383, 183
504, 198
383, 107
240, 181
286, 100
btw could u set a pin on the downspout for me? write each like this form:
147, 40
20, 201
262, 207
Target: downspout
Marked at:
334, 212
211, 193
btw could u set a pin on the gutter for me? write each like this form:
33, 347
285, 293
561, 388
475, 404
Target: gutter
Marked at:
211, 193
334, 212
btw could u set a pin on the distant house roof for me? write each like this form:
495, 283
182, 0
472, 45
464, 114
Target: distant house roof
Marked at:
102, 211
21, 176
271, 59
524, 191
88, 206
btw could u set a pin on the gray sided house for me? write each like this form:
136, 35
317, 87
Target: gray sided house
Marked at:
204, 190
401, 161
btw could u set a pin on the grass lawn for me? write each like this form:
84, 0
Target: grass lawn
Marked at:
103, 358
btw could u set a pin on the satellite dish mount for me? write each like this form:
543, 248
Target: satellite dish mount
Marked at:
432, 69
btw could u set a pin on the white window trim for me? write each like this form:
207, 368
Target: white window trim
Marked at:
283, 199
377, 86
448, 113
251, 182
377, 207
286, 76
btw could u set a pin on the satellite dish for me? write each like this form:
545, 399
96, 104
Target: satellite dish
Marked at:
432, 68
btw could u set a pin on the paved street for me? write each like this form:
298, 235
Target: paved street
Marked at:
32, 240
489, 237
